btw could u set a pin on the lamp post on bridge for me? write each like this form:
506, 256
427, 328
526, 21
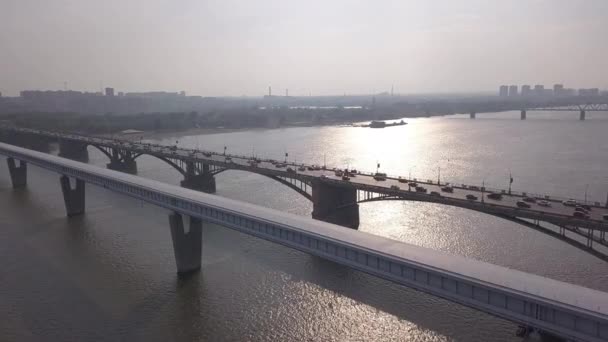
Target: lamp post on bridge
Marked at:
439, 175
586, 188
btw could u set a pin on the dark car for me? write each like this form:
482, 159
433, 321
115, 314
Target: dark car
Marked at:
472, 197
495, 196
435, 193
420, 189
580, 214
523, 204
447, 189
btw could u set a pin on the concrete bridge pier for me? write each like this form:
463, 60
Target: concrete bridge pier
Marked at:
73, 197
18, 173
187, 246
523, 115
122, 161
73, 150
335, 204
582, 116
472, 115
204, 182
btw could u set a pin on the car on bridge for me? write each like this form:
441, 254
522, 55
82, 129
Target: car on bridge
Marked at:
447, 189
394, 187
544, 203
580, 214
471, 197
345, 177
495, 196
413, 184
435, 194
569, 203
379, 176
523, 204
420, 189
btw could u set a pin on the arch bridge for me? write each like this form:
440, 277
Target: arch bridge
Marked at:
334, 199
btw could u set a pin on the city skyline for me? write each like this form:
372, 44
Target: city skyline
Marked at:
235, 48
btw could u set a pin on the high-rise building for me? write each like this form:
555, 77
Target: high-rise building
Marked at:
513, 90
526, 90
109, 91
558, 90
539, 90
503, 90
589, 92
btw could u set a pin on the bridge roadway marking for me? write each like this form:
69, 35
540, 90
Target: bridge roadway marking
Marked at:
557, 212
570, 311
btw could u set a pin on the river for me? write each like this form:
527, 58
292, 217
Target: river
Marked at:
110, 275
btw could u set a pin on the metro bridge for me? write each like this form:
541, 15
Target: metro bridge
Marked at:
567, 311
334, 199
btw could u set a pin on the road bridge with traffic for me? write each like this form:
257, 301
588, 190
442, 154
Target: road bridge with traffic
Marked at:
336, 199
550, 307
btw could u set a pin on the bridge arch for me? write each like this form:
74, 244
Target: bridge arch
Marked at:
536, 226
166, 160
100, 149
290, 185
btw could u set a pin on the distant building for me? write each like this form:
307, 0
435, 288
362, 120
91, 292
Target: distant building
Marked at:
558, 90
513, 90
503, 90
539, 90
526, 90
109, 91
589, 92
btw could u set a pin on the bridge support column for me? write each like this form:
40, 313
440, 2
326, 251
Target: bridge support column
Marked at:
73, 197
126, 165
18, 173
523, 115
187, 246
472, 115
73, 150
582, 116
335, 204
204, 182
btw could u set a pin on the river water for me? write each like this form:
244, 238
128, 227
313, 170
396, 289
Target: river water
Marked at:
110, 275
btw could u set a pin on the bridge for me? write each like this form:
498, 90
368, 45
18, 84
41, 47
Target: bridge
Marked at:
335, 200
582, 109
548, 306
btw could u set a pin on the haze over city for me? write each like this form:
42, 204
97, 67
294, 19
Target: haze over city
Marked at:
233, 48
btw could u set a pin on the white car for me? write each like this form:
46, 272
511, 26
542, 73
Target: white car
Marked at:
544, 203
569, 203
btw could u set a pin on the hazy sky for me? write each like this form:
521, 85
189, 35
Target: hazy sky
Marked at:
232, 47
